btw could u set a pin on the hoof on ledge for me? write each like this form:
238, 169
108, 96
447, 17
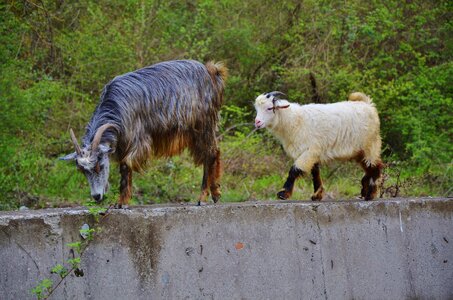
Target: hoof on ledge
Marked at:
318, 195
215, 199
282, 195
121, 206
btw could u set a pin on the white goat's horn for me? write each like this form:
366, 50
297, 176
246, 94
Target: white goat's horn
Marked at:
98, 135
277, 94
74, 141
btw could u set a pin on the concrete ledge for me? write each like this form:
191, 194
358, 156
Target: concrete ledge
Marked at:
385, 249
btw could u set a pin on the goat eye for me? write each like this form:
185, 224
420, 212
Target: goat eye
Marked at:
270, 108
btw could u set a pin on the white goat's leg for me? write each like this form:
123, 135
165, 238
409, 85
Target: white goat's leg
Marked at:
317, 183
302, 166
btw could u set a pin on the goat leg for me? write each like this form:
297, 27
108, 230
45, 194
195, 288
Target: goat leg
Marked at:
204, 186
125, 185
369, 185
318, 192
214, 175
288, 187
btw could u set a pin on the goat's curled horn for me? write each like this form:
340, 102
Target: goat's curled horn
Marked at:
98, 135
75, 142
277, 94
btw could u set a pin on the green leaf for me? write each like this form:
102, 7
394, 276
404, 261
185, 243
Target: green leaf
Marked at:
60, 270
77, 246
43, 288
74, 262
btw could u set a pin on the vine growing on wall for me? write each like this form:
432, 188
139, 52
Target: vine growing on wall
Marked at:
46, 287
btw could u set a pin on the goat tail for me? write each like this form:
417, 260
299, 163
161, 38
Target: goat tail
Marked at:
218, 72
358, 96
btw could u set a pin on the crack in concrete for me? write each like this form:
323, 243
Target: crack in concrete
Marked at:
409, 272
321, 256
23, 249
297, 241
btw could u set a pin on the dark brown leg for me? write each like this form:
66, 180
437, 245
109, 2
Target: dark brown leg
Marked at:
369, 186
317, 184
214, 177
288, 187
125, 185
211, 174
204, 185
365, 186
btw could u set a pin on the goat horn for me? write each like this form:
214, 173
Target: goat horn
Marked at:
98, 135
277, 94
74, 141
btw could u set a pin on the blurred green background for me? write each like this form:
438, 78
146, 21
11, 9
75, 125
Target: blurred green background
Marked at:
55, 57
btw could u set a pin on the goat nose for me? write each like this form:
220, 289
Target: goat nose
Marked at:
97, 197
257, 123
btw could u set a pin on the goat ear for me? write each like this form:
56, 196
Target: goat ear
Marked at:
105, 149
71, 156
282, 104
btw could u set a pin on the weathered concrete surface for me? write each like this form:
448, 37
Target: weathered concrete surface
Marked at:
386, 249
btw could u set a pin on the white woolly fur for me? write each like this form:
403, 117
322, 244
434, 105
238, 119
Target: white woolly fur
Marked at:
321, 133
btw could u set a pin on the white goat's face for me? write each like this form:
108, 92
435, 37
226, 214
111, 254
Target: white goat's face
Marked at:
95, 165
266, 106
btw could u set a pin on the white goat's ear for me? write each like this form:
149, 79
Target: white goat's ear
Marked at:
71, 156
105, 149
282, 104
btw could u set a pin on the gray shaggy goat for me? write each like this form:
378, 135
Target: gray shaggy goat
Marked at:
157, 111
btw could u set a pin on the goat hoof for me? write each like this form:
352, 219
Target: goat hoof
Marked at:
318, 195
282, 195
370, 195
316, 198
363, 193
215, 198
121, 206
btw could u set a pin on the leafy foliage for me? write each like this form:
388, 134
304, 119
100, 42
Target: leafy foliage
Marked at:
42, 289
55, 57
46, 287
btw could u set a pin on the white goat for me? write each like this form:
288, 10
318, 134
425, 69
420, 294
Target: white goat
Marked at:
315, 134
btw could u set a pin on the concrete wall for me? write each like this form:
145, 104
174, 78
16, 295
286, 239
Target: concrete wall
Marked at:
389, 249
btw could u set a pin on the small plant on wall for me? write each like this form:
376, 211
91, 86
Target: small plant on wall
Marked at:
46, 287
